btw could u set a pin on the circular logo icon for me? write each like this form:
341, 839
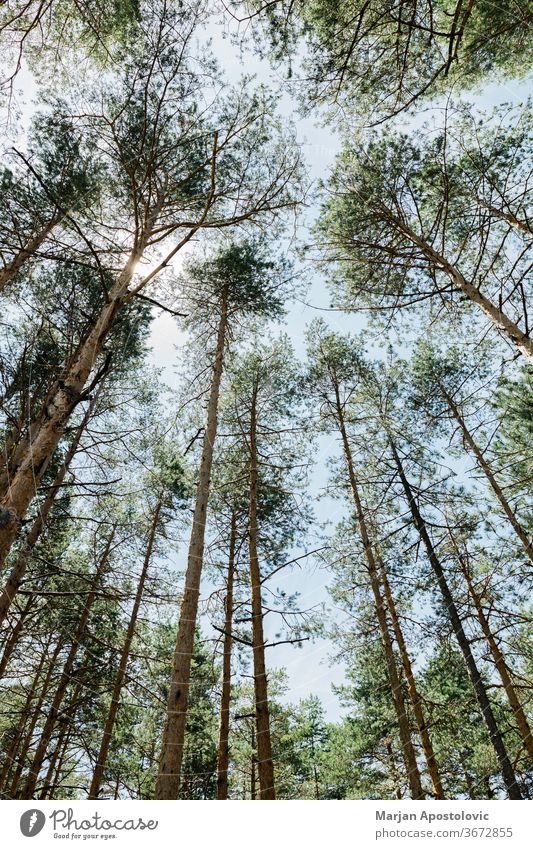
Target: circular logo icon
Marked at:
32, 822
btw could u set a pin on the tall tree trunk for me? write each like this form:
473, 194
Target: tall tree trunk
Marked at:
45, 437
66, 723
28, 250
265, 764
168, 779
514, 701
124, 659
13, 638
416, 701
408, 752
26, 740
225, 697
60, 762
18, 571
53, 713
478, 454
480, 691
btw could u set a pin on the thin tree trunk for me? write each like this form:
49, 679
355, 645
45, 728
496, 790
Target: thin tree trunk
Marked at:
60, 762
506, 507
265, 765
416, 701
253, 780
65, 725
53, 713
168, 779
408, 752
28, 737
9, 757
480, 691
34, 242
18, 571
12, 640
225, 698
499, 661
124, 659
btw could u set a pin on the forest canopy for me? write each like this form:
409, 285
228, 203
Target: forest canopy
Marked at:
259, 415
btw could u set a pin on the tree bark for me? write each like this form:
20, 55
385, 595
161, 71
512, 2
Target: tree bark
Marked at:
11, 751
506, 507
416, 701
61, 402
408, 752
13, 638
499, 661
265, 764
505, 325
26, 740
480, 691
253, 779
34, 242
225, 697
124, 659
60, 762
508, 217
23, 558
66, 674
63, 732
168, 779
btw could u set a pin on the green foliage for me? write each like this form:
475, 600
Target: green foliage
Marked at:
385, 56
403, 216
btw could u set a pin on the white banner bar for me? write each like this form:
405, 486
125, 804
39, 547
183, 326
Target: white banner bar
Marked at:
268, 825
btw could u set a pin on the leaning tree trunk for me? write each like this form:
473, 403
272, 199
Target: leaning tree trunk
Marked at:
11, 269
499, 661
66, 674
408, 751
480, 691
265, 764
415, 699
45, 437
517, 223
168, 779
18, 571
499, 319
498, 492
225, 697
13, 638
123, 663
